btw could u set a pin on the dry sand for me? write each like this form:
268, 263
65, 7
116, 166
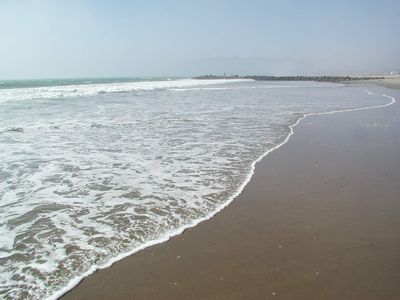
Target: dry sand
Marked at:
319, 220
389, 81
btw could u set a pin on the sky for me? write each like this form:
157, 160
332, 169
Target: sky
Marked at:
96, 38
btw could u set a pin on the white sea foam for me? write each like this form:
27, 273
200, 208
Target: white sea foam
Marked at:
283, 85
50, 92
92, 180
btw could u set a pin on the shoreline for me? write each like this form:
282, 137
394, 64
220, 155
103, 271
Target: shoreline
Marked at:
194, 227
392, 82
325, 78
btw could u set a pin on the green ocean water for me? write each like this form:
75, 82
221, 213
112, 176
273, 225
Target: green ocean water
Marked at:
32, 83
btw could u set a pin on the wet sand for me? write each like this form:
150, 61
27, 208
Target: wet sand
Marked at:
320, 219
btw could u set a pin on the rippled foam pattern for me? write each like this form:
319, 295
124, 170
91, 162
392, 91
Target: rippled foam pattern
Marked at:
89, 172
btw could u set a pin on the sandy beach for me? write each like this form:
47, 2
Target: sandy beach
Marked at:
320, 219
392, 82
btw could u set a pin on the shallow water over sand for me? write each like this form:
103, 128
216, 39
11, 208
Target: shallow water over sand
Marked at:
91, 172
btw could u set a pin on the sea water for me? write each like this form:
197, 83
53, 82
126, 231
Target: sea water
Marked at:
92, 170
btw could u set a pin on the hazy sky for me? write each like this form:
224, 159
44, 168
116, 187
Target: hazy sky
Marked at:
68, 38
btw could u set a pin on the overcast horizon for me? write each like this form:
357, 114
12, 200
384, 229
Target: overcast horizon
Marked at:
71, 39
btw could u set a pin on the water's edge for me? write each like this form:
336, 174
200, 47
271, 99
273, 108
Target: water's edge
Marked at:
74, 282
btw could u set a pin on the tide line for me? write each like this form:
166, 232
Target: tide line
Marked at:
74, 282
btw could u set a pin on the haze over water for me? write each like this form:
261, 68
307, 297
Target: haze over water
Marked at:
93, 170
94, 38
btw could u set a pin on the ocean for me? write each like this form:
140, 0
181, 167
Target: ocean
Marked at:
92, 170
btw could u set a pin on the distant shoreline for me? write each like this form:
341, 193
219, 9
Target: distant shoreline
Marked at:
293, 78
